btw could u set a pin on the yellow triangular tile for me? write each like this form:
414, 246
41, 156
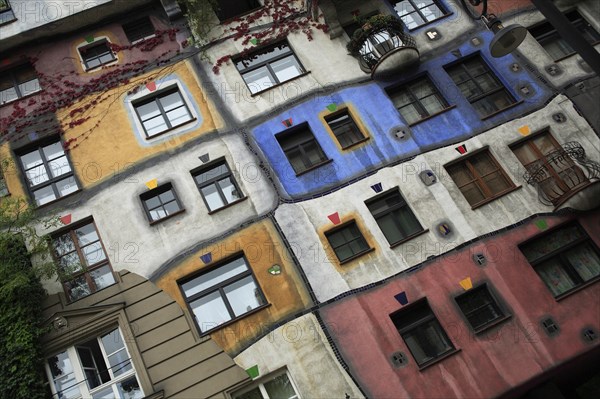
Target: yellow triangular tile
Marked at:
524, 130
152, 184
466, 284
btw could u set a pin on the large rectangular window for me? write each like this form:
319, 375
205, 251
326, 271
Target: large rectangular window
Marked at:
98, 368
347, 241
418, 100
480, 86
83, 265
18, 82
564, 258
277, 386
415, 13
162, 111
139, 29
301, 148
393, 216
217, 185
422, 333
344, 128
48, 172
480, 308
161, 203
228, 9
222, 294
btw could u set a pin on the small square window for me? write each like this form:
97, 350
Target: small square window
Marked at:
96, 54
279, 386
222, 294
160, 203
18, 82
82, 261
422, 333
6, 12
47, 171
415, 13
269, 66
301, 148
565, 258
393, 216
479, 307
228, 9
139, 29
480, 86
344, 128
217, 186
418, 100
480, 178
347, 241
162, 111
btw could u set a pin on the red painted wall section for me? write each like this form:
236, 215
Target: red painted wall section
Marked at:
501, 7
487, 364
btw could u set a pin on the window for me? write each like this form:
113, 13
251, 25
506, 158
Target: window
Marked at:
422, 333
48, 172
96, 54
480, 308
301, 148
227, 9
82, 261
161, 203
554, 44
6, 13
393, 216
564, 258
480, 86
418, 100
98, 368
480, 178
269, 66
279, 387
556, 173
415, 13
162, 111
223, 294
217, 185
3, 188
344, 128
347, 241
18, 82
138, 29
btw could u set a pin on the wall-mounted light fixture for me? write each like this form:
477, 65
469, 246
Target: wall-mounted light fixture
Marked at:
506, 38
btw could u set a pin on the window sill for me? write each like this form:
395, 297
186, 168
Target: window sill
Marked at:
429, 22
495, 197
9, 21
358, 255
492, 324
451, 107
577, 289
439, 359
410, 237
502, 110
99, 67
279, 84
314, 167
356, 143
168, 130
230, 322
155, 222
228, 205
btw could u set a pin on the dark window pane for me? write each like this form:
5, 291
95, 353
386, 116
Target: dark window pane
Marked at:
345, 129
138, 29
479, 307
394, 217
347, 241
301, 149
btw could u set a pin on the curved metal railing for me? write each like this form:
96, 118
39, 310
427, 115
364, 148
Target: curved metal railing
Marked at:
379, 43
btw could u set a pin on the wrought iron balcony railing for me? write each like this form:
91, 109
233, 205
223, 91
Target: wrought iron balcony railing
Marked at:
378, 47
562, 174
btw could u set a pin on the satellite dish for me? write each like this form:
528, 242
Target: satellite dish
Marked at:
506, 39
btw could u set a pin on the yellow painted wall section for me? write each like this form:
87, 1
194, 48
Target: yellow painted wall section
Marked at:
10, 171
263, 248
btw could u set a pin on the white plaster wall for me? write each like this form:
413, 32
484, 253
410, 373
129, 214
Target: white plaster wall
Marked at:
302, 348
431, 205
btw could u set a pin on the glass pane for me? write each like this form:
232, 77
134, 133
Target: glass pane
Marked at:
427, 341
158, 213
29, 87
243, 295
78, 288
7, 95
86, 234
53, 151
411, 113
93, 253
210, 311
104, 393
211, 174
252, 394
259, 79
44, 195
130, 389
287, 68
550, 242
152, 203
584, 260
492, 103
147, 111
178, 116
167, 196
66, 186
59, 166
120, 362
496, 182
171, 208
212, 197
433, 104
313, 152
412, 20
264, 55
403, 7
70, 263
555, 277
214, 277
473, 193
171, 101
64, 379
229, 190
280, 387
106, 58
296, 160
63, 244
431, 12
102, 277
112, 341
37, 175
155, 125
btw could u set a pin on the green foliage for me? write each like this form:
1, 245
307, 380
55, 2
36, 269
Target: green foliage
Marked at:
199, 14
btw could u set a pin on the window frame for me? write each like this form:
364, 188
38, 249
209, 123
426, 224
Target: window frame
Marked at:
4, 192
357, 130
154, 97
338, 229
500, 87
39, 146
234, 16
214, 181
556, 253
494, 302
155, 193
302, 128
439, 4
219, 287
138, 37
7, 15
10, 72
478, 179
85, 270
400, 205
96, 43
240, 59
266, 379
415, 324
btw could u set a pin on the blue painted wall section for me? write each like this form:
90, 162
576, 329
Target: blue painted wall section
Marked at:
376, 111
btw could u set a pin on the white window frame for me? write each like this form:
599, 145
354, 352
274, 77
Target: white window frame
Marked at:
78, 371
260, 384
99, 67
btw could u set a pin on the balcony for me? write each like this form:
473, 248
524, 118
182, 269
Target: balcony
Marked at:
382, 48
566, 178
